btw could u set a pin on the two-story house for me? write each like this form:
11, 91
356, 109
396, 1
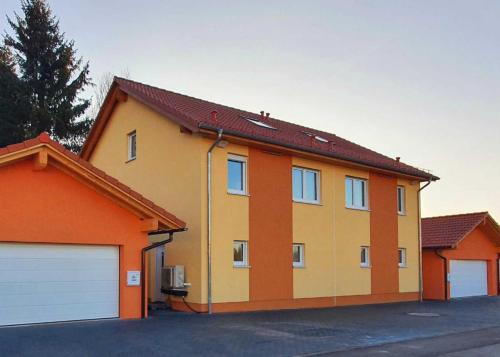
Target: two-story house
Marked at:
279, 215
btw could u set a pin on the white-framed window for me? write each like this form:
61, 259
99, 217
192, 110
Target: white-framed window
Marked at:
240, 253
402, 257
298, 255
132, 145
305, 185
356, 193
365, 257
237, 174
401, 200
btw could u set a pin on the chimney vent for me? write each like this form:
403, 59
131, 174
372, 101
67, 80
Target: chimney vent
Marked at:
213, 115
267, 115
398, 158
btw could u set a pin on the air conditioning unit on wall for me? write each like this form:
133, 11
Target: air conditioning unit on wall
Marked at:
172, 277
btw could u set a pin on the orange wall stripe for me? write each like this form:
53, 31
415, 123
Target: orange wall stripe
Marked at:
383, 234
271, 228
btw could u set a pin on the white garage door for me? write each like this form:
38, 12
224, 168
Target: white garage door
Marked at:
468, 278
49, 282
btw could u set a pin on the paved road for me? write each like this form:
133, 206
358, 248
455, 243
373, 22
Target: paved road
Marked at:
462, 324
483, 342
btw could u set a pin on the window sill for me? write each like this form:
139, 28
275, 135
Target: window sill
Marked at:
238, 193
241, 266
358, 209
308, 202
299, 266
401, 214
365, 266
129, 160
403, 266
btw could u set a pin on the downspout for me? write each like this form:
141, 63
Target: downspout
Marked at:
209, 219
144, 250
420, 273
445, 262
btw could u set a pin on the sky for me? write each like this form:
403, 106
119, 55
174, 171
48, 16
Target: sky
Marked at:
415, 79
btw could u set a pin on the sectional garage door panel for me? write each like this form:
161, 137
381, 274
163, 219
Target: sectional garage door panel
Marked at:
48, 282
468, 278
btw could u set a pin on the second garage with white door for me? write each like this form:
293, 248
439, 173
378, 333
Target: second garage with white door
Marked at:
468, 278
56, 282
460, 256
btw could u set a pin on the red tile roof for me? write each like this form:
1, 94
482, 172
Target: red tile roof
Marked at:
195, 114
448, 231
44, 139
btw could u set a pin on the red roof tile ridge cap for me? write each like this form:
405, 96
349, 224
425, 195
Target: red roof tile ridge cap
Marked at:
189, 96
457, 215
44, 137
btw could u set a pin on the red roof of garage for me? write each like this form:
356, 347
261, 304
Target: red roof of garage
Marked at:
448, 231
195, 114
33, 146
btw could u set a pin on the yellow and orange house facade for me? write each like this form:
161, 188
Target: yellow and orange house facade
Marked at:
316, 222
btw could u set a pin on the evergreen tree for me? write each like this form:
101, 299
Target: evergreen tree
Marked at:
13, 103
47, 77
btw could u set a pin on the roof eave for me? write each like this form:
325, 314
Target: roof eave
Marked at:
316, 152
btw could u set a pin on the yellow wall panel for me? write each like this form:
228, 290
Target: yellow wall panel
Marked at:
230, 222
351, 231
313, 227
408, 238
167, 170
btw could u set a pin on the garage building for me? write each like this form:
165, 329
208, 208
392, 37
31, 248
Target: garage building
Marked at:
71, 237
460, 256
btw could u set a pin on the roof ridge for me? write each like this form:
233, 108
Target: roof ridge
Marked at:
192, 110
190, 96
457, 215
319, 131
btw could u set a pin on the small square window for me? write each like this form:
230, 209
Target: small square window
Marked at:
236, 174
365, 257
298, 255
356, 193
132, 145
401, 200
240, 253
402, 257
305, 184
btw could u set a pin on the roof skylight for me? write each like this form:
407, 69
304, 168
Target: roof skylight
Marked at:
317, 137
259, 123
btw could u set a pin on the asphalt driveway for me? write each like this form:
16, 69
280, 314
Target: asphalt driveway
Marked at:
277, 333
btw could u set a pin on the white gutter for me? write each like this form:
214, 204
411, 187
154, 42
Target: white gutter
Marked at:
209, 219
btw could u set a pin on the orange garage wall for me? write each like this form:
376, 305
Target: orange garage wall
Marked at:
49, 206
433, 275
476, 246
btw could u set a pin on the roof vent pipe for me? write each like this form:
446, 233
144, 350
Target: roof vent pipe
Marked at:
267, 115
262, 115
213, 115
398, 158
